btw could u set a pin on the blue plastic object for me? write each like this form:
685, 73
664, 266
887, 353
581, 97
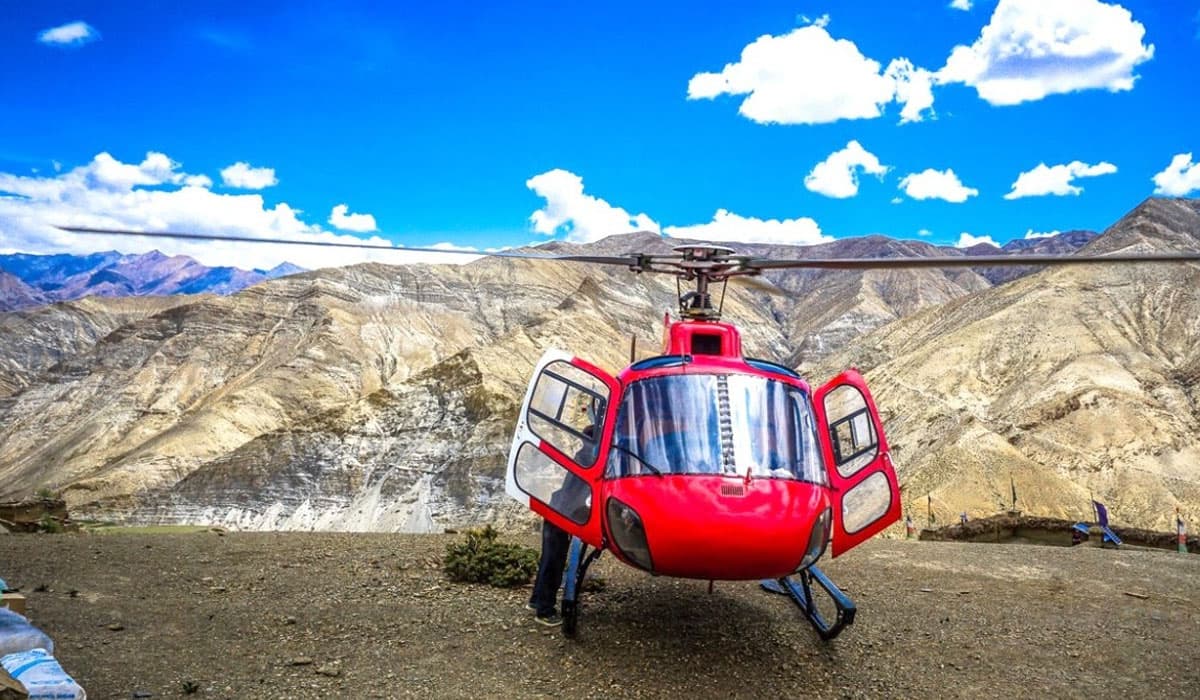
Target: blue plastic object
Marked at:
42, 676
17, 635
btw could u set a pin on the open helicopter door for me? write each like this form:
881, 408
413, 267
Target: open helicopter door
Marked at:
866, 494
561, 443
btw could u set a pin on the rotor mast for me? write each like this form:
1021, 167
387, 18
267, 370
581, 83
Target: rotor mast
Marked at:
704, 263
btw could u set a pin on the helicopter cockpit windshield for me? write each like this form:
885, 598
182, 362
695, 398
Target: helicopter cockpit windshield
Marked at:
673, 425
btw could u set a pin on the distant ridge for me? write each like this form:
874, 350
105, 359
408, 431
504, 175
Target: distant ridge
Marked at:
28, 280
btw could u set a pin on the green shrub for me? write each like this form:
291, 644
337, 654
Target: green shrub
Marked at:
481, 559
49, 524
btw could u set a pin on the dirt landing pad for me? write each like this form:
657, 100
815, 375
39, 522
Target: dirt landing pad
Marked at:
371, 616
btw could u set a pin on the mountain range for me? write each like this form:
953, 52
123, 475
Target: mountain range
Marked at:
377, 397
29, 280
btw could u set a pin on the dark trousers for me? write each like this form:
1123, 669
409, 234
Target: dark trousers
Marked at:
555, 542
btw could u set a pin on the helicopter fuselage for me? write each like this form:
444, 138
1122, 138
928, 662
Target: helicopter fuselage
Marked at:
701, 463
733, 493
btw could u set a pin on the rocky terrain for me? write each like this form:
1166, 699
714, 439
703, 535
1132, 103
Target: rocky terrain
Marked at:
382, 397
38, 339
1073, 382
327, 615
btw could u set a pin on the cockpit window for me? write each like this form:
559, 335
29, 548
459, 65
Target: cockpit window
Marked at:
716, 424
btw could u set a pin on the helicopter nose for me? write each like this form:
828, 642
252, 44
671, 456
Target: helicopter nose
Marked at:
714, 527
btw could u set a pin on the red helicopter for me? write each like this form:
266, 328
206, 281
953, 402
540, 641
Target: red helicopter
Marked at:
700, 462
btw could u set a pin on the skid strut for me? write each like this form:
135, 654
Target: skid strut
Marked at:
578, 561
801, 593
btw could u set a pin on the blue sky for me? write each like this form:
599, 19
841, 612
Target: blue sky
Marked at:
459, 122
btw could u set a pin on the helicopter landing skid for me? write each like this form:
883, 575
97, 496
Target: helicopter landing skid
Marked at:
801, 594
578, 561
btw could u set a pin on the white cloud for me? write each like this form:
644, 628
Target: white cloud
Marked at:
966, 240
582, 217
70, 34
106, 172
924, 233
1057, 179
837, 175
110, 173
729, 227
1033, 48
244, 176
964, 5
341, 218
822, 21
1031, 234
914, 89
936, 184
1179, 178
808, 77
155, 196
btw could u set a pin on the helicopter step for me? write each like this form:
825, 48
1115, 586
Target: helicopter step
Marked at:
801, 594
578, 561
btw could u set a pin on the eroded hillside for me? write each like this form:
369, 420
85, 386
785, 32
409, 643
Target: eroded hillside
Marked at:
382, 397
1073, 383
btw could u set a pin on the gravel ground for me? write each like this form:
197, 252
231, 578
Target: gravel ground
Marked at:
285, 615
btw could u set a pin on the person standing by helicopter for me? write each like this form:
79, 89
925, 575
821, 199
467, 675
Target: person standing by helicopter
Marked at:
543, 600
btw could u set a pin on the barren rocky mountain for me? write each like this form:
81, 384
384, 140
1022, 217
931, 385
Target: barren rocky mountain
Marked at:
1072, 382
1063, 243
15, 294
382, 397
319, 398
37, 339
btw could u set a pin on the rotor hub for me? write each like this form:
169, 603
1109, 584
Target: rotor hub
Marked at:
704, 263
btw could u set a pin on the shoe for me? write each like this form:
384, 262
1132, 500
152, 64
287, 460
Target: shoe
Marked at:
531, 607
551, 620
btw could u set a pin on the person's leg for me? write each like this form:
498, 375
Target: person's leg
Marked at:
550, 569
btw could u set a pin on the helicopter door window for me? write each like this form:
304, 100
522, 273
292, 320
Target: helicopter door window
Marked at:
866, 502
851, 430
549, 482
567, 410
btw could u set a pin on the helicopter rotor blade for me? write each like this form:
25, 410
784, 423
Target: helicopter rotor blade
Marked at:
758, 284
673, 265
626, 260
968, 261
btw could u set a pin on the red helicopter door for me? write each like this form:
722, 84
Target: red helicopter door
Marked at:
561, 443
866, 494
